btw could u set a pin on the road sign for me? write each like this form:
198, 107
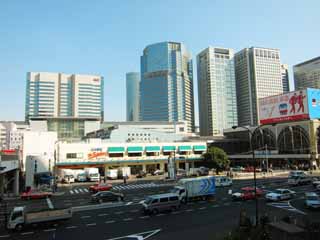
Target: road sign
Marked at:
138, 236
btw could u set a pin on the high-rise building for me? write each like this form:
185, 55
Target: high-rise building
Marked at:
258, 75
133, 96
217, 90
64, 95
167, 84
307, 74
285, 78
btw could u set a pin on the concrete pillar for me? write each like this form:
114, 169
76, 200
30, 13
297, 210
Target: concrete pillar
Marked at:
144, 167
162, 166
186, 167
177, 165
16, 183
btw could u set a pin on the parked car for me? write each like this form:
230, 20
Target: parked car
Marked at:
299, 180
141, 174
161, 202
107, 196
247, 193
237, 169
181, 173
296, 173
98, 187
280, 194
203, 171
312, 200
158, 172
35, 194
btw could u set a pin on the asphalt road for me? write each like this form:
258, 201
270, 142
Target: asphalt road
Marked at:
204, 220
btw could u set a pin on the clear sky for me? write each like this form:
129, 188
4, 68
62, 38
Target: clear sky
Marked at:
108, 37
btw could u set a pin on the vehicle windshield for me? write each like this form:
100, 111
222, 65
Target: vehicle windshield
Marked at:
278, 191
148, 200
94, 175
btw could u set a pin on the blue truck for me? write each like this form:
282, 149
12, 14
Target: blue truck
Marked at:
190, 189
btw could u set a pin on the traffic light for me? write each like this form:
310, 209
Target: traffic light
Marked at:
35, 166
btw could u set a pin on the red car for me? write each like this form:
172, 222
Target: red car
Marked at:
251, 169
98, 187
34, 194
247, 193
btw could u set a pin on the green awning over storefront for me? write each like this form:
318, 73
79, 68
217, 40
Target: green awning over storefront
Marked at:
115, 149
135, 149
152, 149
185, 148
168, 148
199, 148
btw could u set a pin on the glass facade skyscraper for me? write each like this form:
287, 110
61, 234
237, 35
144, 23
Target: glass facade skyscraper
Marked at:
217, 91
307, 74
63, 95
133, 96
167, 84
285, 78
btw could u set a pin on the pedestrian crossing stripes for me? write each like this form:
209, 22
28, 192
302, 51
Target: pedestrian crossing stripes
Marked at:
286, 206
120, 187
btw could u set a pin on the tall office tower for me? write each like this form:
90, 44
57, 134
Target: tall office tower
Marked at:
285, 78
307, 74
258, 75
167, 84
133, 96
63, 95
217, 90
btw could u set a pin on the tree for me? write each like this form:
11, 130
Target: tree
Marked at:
217, 157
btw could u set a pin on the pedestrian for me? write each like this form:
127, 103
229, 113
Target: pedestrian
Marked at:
125, 179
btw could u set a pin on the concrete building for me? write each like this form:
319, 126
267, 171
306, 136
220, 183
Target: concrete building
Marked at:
285, 78
137, 156
11, 134
9, 172
307, 74
258, 75
133, 96
217, 91
141, 132
167, 84
64, 95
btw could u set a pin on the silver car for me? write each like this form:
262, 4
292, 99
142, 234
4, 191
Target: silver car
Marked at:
161, 202
312, 200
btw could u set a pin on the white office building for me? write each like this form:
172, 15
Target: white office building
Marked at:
217, 91
63, 95
258, 75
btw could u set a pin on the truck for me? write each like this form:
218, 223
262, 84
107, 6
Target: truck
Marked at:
112, 173
124, 172
20, 217
92, 174
195, 188
67, 175
80, 175
223, 181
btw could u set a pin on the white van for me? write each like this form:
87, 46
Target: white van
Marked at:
161, 202
223, 181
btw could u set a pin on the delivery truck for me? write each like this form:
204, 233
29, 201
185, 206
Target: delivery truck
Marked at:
195, 188
92, 174
80, 175
112, 174
20, 217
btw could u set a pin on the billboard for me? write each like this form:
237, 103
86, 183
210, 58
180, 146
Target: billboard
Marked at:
292, 106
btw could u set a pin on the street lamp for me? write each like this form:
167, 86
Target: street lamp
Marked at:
254, 167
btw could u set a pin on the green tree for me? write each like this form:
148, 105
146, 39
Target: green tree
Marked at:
217, 157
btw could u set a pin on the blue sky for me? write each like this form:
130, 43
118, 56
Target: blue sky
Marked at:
108, 37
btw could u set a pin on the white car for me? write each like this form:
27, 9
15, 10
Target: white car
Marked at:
280, 194
312, 200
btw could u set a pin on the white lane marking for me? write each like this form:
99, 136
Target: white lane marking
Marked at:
85, 217
142, 201
120, 187
27, 233
4, 236
76, 190
144, 217
129, 203
80, 190
127, 219
202, 208
49, 230
71, 227
71, 192
103, 214
116, 187
91, 224
112, 221
86, 190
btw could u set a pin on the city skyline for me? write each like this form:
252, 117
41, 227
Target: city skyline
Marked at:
56, 46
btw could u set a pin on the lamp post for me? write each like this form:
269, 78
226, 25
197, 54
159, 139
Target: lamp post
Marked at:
254, 168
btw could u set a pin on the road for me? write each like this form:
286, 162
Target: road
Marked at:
210, 220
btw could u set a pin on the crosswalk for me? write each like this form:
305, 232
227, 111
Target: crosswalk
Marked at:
120, 187
286, 206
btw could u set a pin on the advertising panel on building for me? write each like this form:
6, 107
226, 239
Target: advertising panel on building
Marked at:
292, 106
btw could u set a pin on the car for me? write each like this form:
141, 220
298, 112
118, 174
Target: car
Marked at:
98, 187
35, 194
158, 172
237, 169
141, 174
247, 193
203, 171
298, 180
312, 200
280, 194
181, 173
107, 196
296, 173
315, 181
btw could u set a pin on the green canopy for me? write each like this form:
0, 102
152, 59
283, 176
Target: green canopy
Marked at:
199, 148
135, 149
115, 149
168, 148
153, 149
185, 148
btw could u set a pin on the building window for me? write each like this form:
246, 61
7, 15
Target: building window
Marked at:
71, 155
